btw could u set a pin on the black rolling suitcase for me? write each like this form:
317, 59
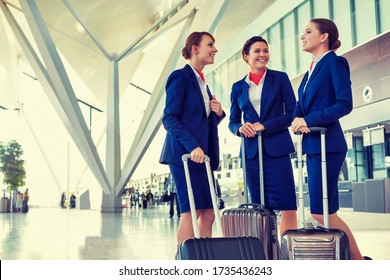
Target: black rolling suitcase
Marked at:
309, 242
216, 248
253, 219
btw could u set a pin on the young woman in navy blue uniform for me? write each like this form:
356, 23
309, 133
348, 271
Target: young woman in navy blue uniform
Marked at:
191, 117
265, 100
325, 96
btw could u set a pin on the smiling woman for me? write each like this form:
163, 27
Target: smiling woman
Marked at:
264, 101
191, 118
327, 93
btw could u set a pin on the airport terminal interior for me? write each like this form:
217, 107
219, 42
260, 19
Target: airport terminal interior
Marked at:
82, 90
136, 234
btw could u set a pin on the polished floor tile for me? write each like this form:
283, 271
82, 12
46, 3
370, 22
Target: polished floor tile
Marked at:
135, 234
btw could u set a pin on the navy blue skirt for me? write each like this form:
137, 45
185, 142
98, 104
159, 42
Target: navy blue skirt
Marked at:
279, 187
200, 188
334, 161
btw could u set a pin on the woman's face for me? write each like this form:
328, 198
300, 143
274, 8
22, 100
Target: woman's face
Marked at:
312, 39
206, 50
258, 57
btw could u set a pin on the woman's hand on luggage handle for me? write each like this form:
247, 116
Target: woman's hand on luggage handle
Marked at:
299, 124
197, 155
248, 130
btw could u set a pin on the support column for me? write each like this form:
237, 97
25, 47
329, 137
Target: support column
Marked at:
112, 202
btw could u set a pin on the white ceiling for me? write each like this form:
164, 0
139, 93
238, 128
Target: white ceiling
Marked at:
117, 24
87, 35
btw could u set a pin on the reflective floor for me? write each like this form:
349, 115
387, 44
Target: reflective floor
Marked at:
136, 234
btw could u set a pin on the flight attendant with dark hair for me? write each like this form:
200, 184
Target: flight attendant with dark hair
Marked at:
325, 96
191, 117
265, 100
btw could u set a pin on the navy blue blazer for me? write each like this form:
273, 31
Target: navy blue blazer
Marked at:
277, 106
186, 122
327, 98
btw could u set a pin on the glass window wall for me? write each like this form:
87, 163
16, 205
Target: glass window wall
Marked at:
365, 20
342, 18
378, 161
356, 161
289, 47
384, 5
321, 9
274, 48
304, 59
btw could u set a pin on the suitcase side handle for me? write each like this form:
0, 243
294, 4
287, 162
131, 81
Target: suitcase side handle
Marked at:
194, 217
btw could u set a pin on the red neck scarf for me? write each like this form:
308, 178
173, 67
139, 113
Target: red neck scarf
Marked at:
200, 74
311, 65
256, 78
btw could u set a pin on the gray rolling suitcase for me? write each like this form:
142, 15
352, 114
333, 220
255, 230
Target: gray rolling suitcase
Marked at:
216, 248
253, 219
309, 242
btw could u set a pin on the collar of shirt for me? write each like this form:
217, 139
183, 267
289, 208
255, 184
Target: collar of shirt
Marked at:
198, 76
256, 78
251, 83
316, 60
203, 88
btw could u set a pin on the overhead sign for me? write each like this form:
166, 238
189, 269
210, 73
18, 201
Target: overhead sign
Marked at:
374, 136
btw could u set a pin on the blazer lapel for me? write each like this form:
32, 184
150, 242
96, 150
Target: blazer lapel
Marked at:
195, 84
317, 69
268, 82
302, 85
244, 97
315, 72
209, 92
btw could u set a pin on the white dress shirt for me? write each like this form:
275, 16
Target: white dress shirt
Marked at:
203, 89
255, 92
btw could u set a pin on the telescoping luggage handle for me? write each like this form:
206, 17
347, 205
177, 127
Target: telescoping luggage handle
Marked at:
261, 172
325, 204
262, 206
194, 218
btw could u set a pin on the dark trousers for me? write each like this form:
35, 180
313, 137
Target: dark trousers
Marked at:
24, 207
171, 204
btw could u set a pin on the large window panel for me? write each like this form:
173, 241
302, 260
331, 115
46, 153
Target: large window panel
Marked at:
360, 159
384, 8
232, 77
242, 66
342, 18
304, 58
378, 158
365, 20
223, 79
290, 54
275, 52
214, 83
321, 9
